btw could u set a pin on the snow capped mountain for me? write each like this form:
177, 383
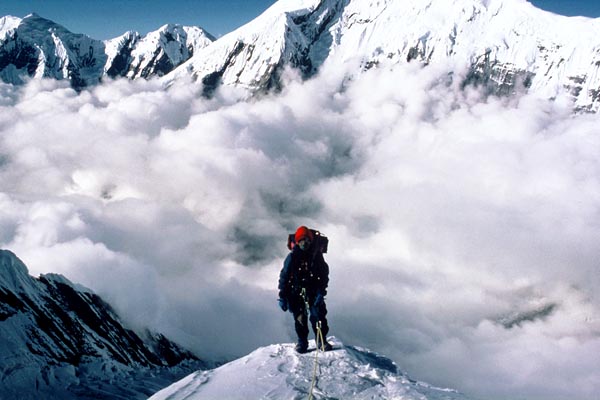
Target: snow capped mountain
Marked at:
34, 47
254, 55
155, 54
60, 340
501, 43
277, 372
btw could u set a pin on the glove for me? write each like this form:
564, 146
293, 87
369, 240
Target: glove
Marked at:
283, 304
319, 299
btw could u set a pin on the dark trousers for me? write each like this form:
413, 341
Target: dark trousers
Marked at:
317, 313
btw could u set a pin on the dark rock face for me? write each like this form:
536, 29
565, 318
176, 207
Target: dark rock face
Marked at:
501, 79
122, 60
20, 54
60, 341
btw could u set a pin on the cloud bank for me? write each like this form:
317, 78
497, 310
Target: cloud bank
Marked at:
463, 228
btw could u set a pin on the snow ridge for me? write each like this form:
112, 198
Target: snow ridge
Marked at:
278, 372
60, 340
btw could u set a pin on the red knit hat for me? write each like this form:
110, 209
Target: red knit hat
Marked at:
303, 232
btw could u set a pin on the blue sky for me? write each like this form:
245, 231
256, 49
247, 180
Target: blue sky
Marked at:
587, 8
105, 19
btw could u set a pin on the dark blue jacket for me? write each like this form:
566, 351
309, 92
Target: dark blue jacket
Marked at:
303, 269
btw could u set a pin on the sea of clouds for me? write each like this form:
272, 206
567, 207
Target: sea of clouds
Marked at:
463, 228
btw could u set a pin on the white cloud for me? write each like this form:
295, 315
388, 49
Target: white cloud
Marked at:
463, 228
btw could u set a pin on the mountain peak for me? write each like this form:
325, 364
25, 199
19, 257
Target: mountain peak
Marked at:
38, 23
32, 16
14, 275
279, 372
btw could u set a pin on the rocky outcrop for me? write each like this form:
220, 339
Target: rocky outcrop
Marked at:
62, 338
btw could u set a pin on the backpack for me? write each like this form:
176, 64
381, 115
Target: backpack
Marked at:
320, 241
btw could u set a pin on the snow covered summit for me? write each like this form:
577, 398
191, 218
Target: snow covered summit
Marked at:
502, 45
278, 372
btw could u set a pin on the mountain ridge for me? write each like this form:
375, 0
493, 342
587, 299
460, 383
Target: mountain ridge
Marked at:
62, 340
36, 48
278, 372
504, 46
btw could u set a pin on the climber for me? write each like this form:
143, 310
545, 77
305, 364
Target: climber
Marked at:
303, 284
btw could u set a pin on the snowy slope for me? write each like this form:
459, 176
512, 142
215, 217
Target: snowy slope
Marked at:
253, 55
501, 43
60, 340
500, 40
277, 372
8, 24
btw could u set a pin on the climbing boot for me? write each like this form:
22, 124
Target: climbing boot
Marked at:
325, 346
302, 347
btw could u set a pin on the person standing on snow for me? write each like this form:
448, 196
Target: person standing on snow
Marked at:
303, 282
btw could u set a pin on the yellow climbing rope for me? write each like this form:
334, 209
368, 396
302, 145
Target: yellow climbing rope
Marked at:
322, 341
